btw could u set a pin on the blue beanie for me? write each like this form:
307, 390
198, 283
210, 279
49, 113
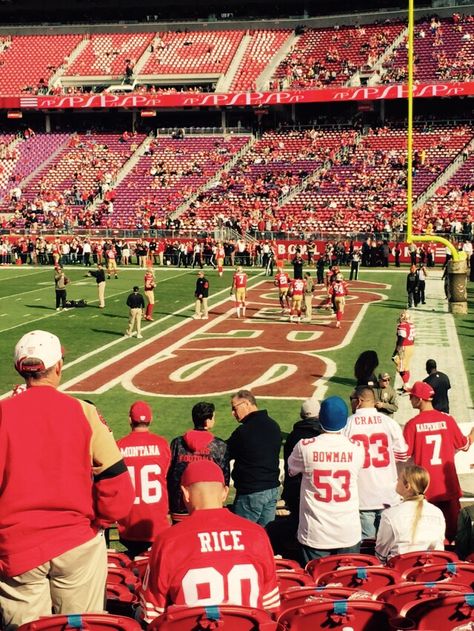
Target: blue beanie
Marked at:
333, 414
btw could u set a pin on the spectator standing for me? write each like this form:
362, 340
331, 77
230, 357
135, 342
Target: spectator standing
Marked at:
320, 269
440, 384
201, 294
198, 443
307, 427
385, 395
255, 447
147, 457
329, 505
412, 285
415, 525
52, 549
99, 275
211, 558
433, 438
149, 285
365, 367
60, 282
384, 445
136, 306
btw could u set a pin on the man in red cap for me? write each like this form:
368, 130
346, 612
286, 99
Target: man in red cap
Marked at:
147, 457
433, 439
213, 557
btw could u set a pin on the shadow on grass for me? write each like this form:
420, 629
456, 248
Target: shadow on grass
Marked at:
44, 307
343, 381
107, 332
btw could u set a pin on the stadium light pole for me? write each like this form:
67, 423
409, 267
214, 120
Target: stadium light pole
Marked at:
410, 236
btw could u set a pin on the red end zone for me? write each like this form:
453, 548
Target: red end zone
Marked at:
264, 352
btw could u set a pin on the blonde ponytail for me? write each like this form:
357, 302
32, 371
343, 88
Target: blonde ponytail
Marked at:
417, 479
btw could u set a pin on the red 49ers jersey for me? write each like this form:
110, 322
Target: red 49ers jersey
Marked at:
147, 457
240, 280
433, 438
339, 288
297, 286
282, 280
149, 281
406, 330
212, 558
220, 253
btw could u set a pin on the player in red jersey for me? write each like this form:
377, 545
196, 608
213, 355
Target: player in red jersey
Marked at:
147, 457
111, 256
338, 290
239, 288
404, 349
213, 557
149, 285
433, 438
282, 281
220, 257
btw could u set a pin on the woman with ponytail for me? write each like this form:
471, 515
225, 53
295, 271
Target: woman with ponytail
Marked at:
415, 524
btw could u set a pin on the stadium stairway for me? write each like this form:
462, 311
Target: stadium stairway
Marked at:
264, 78
226, 79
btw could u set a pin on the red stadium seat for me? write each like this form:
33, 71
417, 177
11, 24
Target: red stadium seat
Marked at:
123, 575
287, 564
356, 615
120, 600
290, 578
89, 621
400, 594
442, 613
366, 578
337, 561
139, 566
409, 560
117, 559
229, 617
460, 572
299, 596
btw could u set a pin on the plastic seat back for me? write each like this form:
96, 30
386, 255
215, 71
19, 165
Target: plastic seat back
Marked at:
402, 593
117, 559
460, 572
87, 621
366, 578
124, 576
228, 617
290, 578
287, 564
444, 613
299, 596
316, 567
409, 560
358, 615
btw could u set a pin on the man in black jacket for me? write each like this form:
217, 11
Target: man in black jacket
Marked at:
196, 444
99, 276
201, 294
440, 384
255, 447
136, 305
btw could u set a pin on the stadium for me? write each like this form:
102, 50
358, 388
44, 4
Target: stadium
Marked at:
172, 147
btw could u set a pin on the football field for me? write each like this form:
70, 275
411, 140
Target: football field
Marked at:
181, 361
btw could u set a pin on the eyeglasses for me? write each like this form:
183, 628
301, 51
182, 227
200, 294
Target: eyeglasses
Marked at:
234, 407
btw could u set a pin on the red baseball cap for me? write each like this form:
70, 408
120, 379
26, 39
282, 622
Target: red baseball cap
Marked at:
140, 412
202, 471
422, 390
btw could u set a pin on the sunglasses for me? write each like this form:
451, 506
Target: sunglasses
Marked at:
385, 379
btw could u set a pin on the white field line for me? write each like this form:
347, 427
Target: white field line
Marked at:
56, 313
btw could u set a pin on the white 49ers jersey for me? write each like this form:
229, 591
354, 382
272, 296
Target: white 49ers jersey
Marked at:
384, 444
329, 500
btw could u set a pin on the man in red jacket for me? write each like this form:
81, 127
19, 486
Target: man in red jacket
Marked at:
62, 480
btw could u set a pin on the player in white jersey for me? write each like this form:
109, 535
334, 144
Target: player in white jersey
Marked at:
384, 445
329, 502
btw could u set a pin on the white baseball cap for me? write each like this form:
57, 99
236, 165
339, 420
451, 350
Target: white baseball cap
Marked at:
40, 345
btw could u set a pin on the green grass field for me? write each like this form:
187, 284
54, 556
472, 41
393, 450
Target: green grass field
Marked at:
90, 335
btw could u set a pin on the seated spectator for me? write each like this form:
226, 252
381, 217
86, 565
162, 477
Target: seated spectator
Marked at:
211, 558
196, 444
415, 524
147, 457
